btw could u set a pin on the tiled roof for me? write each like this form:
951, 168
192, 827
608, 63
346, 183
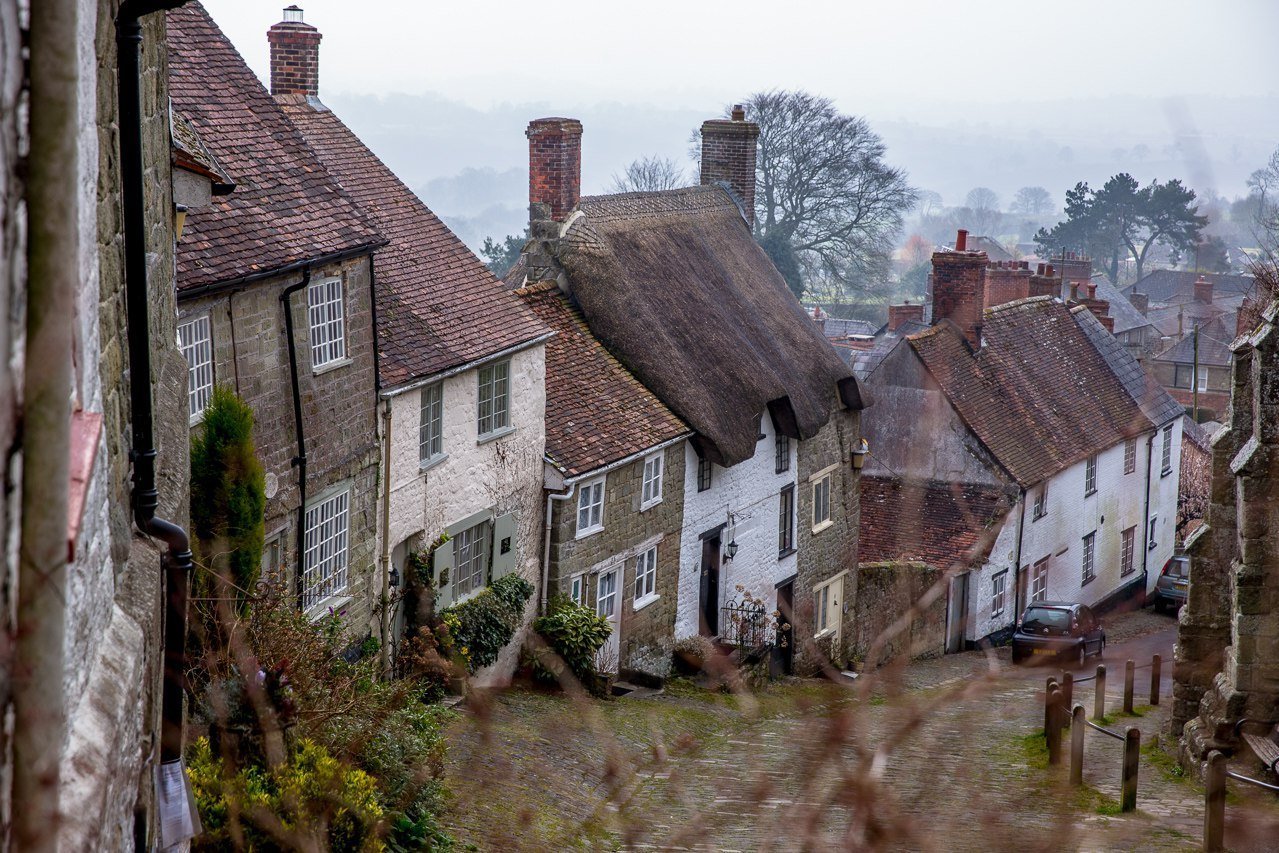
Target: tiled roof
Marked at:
838, 327
865, 362
438, 305
1176, 320
1126, 317
1178, 285
1214, 344
596, 411
1155, 403
932, 522
286, 208
1037, 394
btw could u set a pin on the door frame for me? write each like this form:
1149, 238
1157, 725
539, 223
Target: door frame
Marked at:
709, 590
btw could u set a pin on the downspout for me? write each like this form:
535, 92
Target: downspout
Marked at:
1021, 526
1145, 527
546, 547
176, 562
299, 461
52, 264
385, 657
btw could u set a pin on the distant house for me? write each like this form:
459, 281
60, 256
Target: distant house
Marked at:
674, 286
1035, 401
1172, 287
274, 297
461, 363
615, 477
1196, 368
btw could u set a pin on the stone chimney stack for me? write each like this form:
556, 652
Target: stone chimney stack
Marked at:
554, 166
958, 288
898, 315
1203, 290
728, 154
295, 56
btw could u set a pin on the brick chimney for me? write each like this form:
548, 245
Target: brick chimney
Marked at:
728, 154
1140, 301
554, 165
900, 314
295, 55
1074, 266
958, 288
1006, 281
1203, 290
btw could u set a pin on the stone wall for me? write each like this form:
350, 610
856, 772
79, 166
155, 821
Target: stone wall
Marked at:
886, 591
644, 634
339, 413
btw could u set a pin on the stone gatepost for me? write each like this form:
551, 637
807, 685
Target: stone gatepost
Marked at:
1227, 660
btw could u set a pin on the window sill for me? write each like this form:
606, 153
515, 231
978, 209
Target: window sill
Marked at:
428, 464
1152, 546
196, 419
330, 365
330, 606
1035, 518
824, 525
640, 603
1165, 472
650, 504
588, 532
821, 635
1088, 581
495, 435
782, 555
1090, 493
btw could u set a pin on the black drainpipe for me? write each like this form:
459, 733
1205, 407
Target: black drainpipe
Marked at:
299, 461
176, 562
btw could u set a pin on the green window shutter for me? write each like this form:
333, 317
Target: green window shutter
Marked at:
505, 550
444, 566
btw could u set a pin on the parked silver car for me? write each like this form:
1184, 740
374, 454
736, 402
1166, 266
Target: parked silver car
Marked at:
1173, 581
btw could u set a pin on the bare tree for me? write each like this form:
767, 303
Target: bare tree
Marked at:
650, 173
1264, 184
827, 205
982, 198
1032, 201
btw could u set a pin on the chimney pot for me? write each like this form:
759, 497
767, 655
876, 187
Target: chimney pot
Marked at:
1048, 270
293, 14
739, 112
1040, 270
1203, 290
961, 241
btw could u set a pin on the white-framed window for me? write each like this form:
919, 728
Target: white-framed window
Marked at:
1090, 554
1130, 455
493, 413
1039, 581
590, 508
577, 589
826, 606
999, 594
651, 490
1041, 503
328, 323
430, 437
1090, 475
1166, 467
325, 547
195, 338
1201, 381
821, 501
1128, 542
606, 594
1154, 519
471, 548
646, 575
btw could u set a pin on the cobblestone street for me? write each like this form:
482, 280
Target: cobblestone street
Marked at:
942, 755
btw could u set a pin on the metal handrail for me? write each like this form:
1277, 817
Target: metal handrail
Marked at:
1103, 730
1251, 781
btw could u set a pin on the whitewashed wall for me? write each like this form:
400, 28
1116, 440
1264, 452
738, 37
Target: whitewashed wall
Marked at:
751, 491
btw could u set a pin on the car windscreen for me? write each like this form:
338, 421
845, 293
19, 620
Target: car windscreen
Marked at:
1047, 617
1179, 568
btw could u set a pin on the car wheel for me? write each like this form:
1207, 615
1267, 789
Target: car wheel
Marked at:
1083, 654
1018, 657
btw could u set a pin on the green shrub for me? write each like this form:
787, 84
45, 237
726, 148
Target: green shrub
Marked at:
312, 795
482, 625
573, 636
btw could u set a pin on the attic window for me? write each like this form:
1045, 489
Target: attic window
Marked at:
1090, 475
590, 508
704, 473
1166, 467
1041, 503
1130, 455
782, 453
494, 398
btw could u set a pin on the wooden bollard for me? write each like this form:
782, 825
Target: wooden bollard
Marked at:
1155, 665
1067, 696
1077, 726
1128, 782
1053, 730
1048, 703
1130, 672
1215, 803
1099, 698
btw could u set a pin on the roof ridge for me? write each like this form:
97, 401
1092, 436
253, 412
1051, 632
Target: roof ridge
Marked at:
1029, 301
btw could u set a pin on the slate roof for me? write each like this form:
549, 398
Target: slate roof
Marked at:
1214, 344
865, 362
1126, 317
438, 305
1176, 320
932, 522
1155, 403
1196, 434
1169, 286
1038, 394
286, 208
596, 411
838, 327
676, 287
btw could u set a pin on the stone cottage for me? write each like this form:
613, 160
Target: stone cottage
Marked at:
675, 287
615, 489
461, 364
275, 300
90, 539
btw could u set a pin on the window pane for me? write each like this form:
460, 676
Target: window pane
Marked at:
325, 549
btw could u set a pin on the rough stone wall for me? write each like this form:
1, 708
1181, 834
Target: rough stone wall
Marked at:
1227, 661
338, 412
885, 591
825, 553
646, 633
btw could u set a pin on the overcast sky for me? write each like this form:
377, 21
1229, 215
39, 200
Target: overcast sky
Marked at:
893, 58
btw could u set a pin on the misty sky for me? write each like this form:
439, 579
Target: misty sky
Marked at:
866, 55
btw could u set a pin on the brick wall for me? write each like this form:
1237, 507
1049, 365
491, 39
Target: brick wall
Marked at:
899, 314
728, 154
295, 58
338, 409
555, 164
1006, 281
644, 634
957, 291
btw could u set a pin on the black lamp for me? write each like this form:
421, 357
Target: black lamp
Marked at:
732, 549
395, 578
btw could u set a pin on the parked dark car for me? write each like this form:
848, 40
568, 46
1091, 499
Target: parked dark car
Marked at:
1053, 630
1174, 580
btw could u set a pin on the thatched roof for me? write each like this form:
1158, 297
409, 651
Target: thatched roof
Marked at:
676, 287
